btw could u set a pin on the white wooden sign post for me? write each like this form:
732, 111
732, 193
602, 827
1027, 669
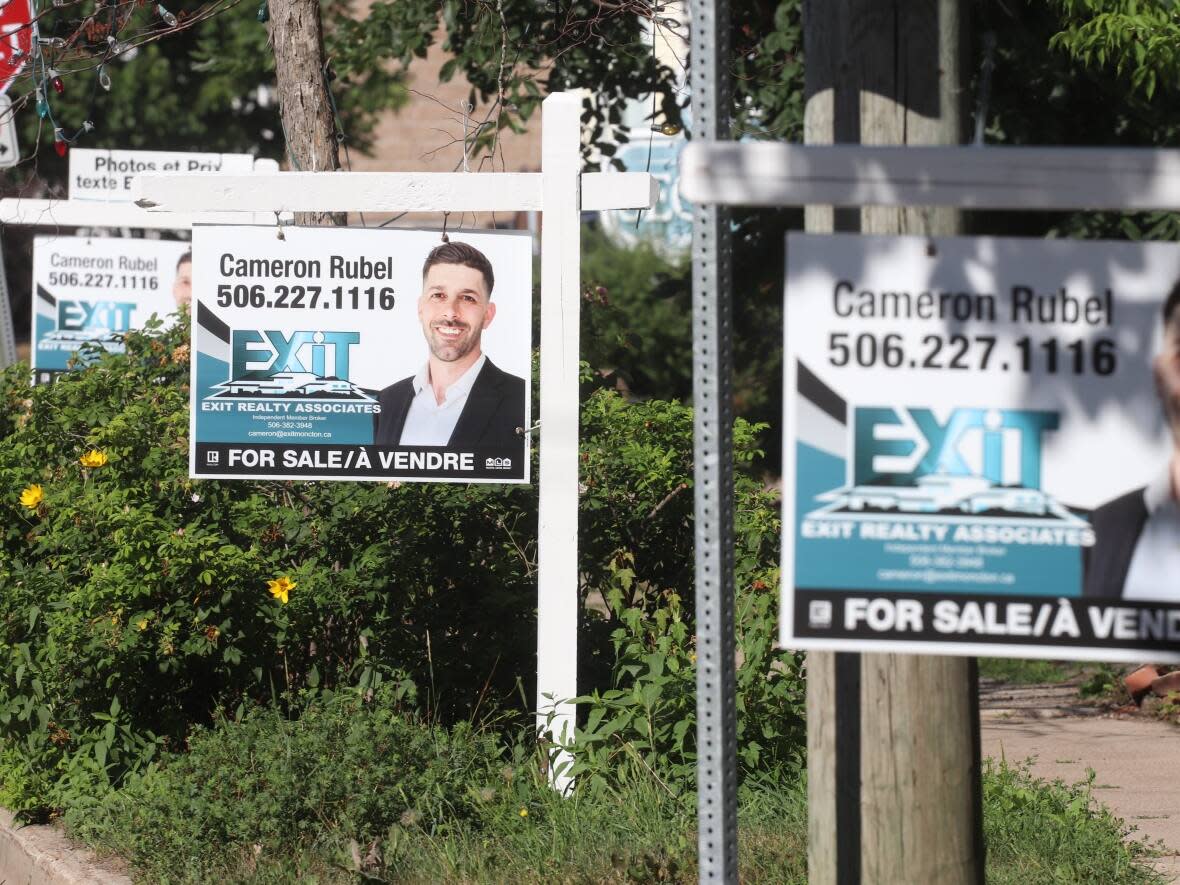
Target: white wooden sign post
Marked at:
561, 192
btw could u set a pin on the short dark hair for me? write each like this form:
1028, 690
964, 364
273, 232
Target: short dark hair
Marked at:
1171, 302
462, 254
186, 258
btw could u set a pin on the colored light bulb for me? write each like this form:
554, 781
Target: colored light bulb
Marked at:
42, 104
168, 17
264, 12
59, 143
56, 82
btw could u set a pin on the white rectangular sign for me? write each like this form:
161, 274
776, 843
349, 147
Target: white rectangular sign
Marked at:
9, 152
106, 175
354, 354
982, 446
89, 290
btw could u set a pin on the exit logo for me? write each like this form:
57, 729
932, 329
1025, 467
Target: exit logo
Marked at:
269, 353
899, 446
79, 316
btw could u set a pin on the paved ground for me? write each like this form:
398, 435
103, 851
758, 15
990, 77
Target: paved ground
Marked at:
1133, 757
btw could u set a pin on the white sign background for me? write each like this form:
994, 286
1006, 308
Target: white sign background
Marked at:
391, 345
92, 272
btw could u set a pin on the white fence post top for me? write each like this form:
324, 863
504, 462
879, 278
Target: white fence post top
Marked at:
773, 174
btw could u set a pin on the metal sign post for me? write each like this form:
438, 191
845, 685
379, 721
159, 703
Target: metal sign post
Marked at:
712, 353
561, 192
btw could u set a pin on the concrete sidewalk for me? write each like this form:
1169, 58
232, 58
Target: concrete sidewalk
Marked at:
41, 855
1133, 758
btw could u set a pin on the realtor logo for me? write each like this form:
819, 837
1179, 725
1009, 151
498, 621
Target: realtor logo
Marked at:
819, 613
213, 458
304, 365
498, 463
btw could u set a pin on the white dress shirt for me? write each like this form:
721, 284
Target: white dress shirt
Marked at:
429, 422
1154, 573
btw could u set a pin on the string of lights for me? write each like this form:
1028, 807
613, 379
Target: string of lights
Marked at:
91, 43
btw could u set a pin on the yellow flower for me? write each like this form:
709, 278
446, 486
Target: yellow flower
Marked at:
142, 624
524, 812
32, 496
93, 458
281, 589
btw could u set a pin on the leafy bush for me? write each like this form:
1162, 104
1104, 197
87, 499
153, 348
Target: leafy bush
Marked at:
344, 766
135, 601
646, 711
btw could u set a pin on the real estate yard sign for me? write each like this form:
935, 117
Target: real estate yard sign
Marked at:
976, 457
88, 291
315, 353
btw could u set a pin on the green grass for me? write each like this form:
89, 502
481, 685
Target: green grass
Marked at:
1050, 832
357, 792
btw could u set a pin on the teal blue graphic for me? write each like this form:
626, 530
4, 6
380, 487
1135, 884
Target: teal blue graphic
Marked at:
277, 389
916, 560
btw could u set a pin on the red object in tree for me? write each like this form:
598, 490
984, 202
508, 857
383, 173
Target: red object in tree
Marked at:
17, 33
61, 147
58, 86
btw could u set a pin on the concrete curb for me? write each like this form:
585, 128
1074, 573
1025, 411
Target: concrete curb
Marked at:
42, 855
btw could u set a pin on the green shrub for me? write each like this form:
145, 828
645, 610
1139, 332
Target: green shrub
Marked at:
135, 600
344, 766
362, 786
646, 712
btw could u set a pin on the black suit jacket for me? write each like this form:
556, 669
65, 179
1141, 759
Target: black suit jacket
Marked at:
1117, 526
493, 412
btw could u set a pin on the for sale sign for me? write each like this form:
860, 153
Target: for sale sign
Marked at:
982, 447
353, 354
87, 292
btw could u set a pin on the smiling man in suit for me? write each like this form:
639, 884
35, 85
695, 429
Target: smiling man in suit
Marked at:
1137, 550
459, 398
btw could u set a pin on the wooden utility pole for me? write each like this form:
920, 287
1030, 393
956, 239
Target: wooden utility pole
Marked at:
309, 126
893, 740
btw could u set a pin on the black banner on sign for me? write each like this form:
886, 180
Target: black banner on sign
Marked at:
918, 617
236, 460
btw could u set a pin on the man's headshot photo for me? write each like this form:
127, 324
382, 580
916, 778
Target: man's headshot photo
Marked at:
182, 286
1136, 554
459, 398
